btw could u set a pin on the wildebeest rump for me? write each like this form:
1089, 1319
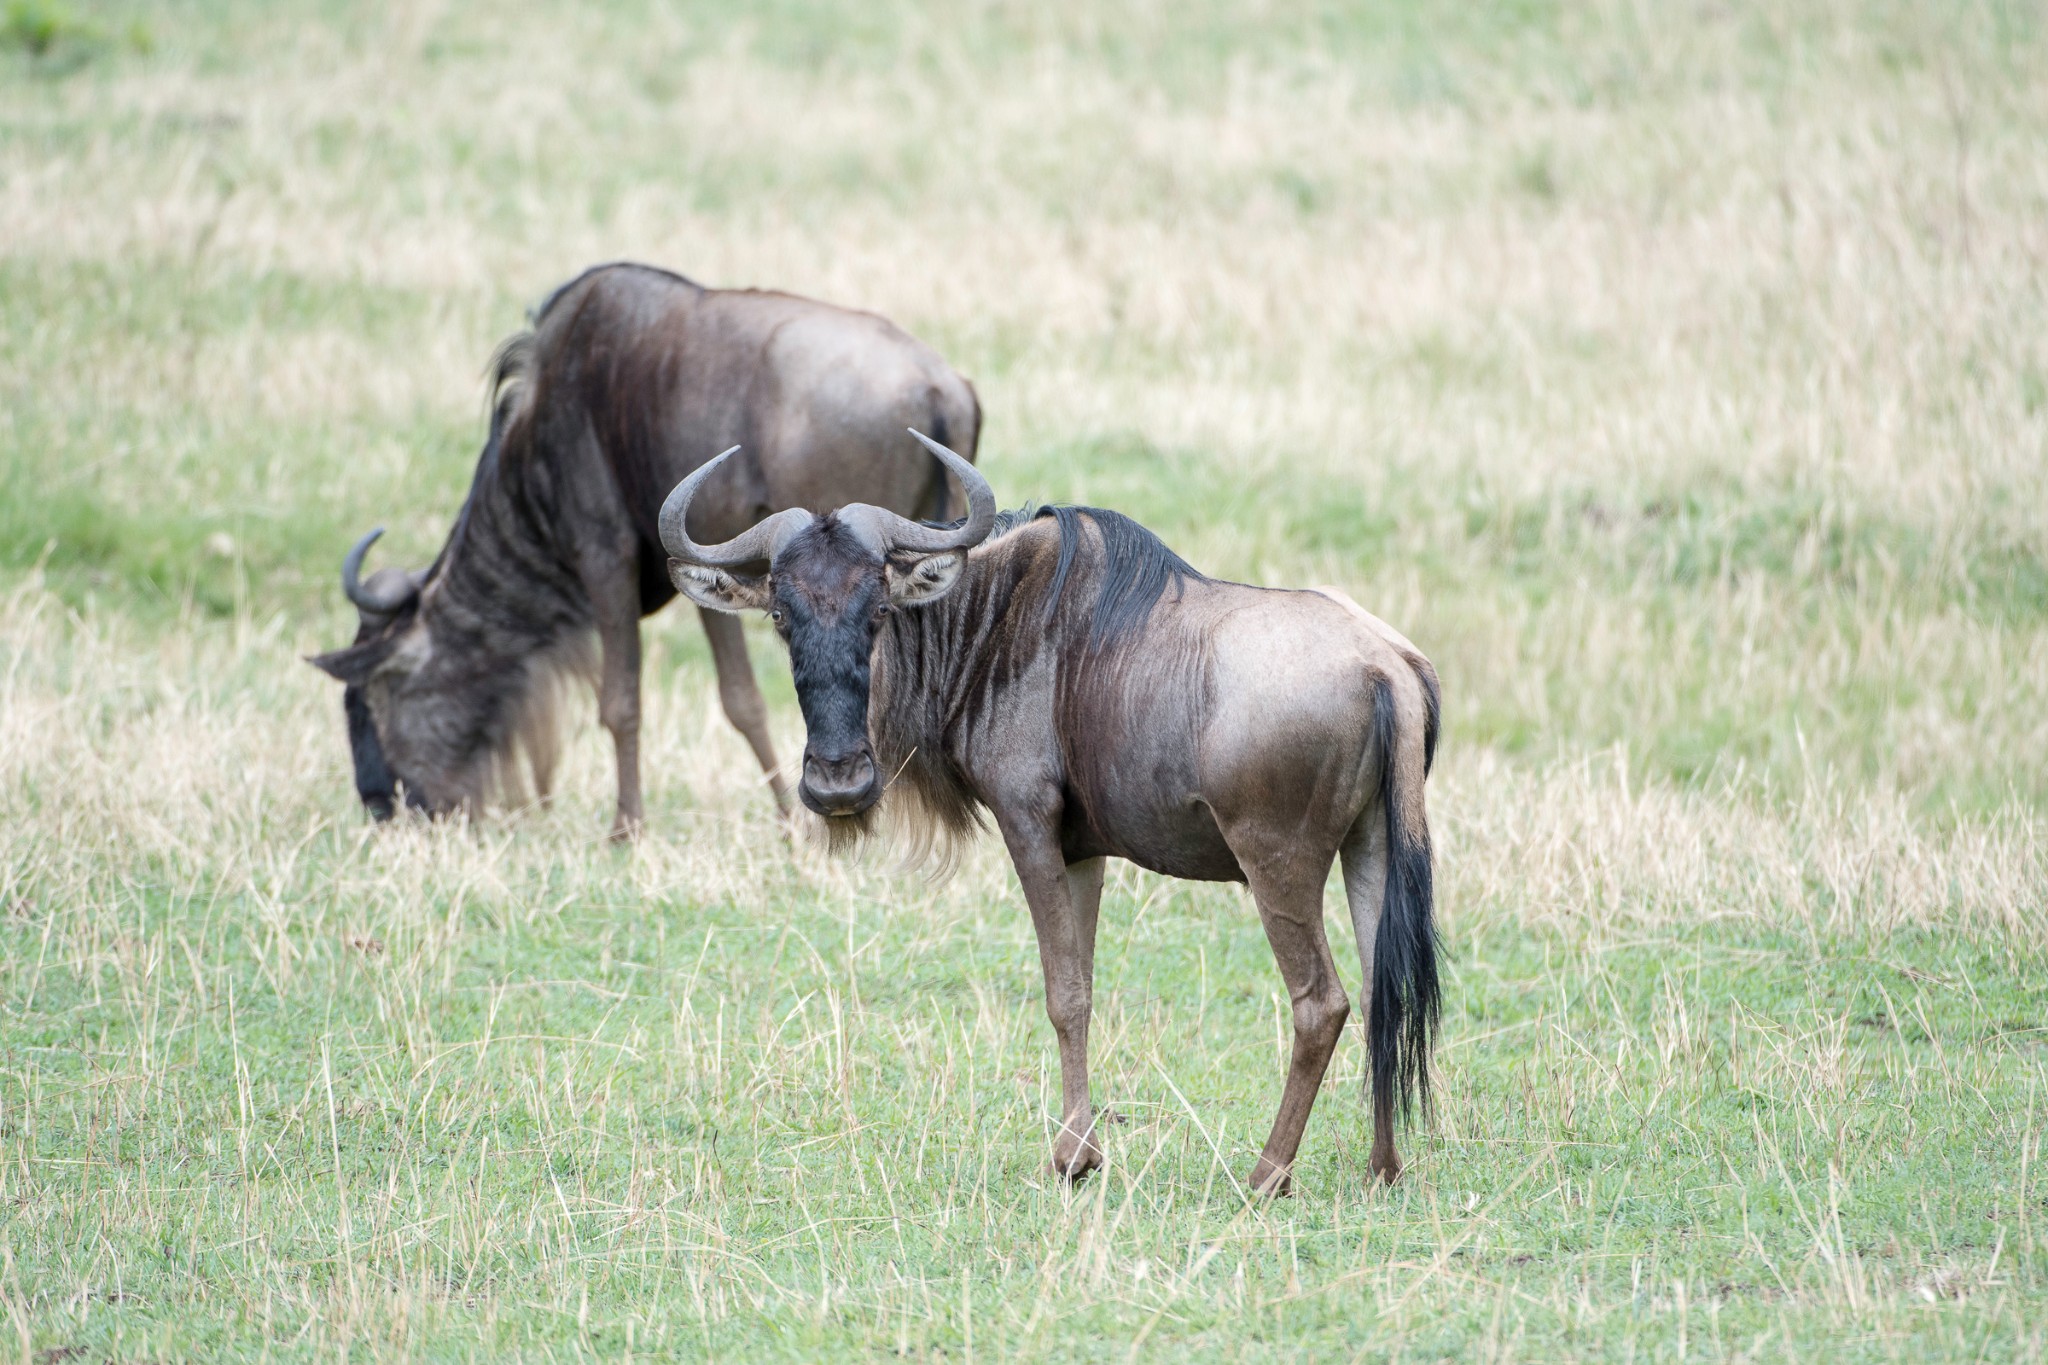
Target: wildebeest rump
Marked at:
1101, 698
629, 376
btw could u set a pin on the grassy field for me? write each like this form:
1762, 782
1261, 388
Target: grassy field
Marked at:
1675, 376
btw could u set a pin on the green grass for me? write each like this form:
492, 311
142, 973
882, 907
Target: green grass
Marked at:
666, 1124
503, 1091
1674, 378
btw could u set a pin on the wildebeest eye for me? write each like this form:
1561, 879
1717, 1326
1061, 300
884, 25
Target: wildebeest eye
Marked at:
776, 616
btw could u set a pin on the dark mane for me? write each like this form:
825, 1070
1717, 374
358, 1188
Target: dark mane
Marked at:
534, 644
1137, 569
510, 366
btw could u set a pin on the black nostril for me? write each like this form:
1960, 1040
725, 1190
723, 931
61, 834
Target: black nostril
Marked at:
840, 785
851, 768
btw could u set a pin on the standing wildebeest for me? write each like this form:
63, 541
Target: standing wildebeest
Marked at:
1227, 733
628, 375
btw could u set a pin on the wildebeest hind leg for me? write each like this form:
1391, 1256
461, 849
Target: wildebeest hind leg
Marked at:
740, 695
1290, 904
1365, 887
1084, 886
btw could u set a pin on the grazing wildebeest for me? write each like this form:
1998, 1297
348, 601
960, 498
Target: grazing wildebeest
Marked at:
1070, 674
628, 375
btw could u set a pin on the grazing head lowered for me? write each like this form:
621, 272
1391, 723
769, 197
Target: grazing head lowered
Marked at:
1073, 677
442, 701
389, 594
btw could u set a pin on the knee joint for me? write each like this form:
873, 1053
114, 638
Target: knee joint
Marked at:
1068, 1009
1321, 1017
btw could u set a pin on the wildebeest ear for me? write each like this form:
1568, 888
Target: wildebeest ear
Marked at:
355, 664
717, 589
925, 580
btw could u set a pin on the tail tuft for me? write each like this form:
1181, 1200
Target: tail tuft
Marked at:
1406, 1000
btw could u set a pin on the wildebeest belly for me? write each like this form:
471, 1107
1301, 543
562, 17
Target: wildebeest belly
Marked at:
1144, 808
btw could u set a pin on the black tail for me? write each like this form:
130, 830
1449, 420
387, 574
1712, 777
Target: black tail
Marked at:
940, 430
973, 442
1406, 1004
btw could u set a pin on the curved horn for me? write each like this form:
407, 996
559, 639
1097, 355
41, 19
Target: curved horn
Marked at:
901, 533
758, 542
352, 584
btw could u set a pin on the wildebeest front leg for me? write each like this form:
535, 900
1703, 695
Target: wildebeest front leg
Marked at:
740, 695
616, 600
1291, 906
1063, 905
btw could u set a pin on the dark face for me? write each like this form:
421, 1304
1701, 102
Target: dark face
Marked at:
826, 600
827, 595
408, 732
374, 782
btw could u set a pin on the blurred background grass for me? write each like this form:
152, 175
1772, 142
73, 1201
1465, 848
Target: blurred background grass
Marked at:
1676, 375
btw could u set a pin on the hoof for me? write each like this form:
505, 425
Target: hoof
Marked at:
1076, 1164
1387, 1166
624, 831
1272, 1180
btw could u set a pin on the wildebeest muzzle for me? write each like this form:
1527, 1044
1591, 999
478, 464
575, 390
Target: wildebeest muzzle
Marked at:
845, 785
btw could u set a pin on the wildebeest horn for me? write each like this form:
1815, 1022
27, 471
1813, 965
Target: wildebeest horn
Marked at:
901, 533
758, 542
384, 603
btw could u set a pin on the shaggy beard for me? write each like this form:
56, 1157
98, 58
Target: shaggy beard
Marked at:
843, 834
923, 840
